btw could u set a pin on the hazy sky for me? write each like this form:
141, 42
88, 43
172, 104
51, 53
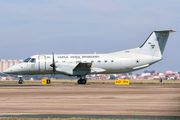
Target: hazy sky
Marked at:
29, 27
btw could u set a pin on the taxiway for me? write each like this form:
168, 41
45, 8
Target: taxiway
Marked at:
90, 99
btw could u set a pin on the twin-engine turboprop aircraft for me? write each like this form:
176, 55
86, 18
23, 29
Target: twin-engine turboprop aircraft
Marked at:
81, 65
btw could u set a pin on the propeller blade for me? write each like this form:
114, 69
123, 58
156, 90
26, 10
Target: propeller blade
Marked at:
53, 64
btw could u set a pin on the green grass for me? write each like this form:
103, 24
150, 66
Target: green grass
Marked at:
66, 119
52, 119
16, 82
141, 83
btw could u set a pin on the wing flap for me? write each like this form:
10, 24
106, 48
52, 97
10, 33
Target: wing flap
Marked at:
97, 70
83, 67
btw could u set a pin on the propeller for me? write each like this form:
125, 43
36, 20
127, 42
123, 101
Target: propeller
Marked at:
53, 65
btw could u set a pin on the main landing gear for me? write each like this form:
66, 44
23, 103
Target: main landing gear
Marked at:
20, 79
82, 80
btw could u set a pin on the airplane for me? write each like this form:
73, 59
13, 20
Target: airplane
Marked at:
80, 65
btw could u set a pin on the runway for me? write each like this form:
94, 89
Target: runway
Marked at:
89, 116
91, 100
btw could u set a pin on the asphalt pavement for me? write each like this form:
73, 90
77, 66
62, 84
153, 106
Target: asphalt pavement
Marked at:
87, 116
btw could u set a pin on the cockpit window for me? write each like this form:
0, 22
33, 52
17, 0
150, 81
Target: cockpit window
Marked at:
33, 60
27, 60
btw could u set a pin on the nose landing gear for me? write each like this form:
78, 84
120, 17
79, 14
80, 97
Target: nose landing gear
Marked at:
20, 79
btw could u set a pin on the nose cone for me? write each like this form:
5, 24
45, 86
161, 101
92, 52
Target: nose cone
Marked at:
11, 70
6, 71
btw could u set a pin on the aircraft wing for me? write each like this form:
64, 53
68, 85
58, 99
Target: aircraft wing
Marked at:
87, 67
83, 67
74, 69
79, 69
97, 70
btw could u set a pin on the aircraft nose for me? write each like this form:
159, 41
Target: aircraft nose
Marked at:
11, 70
6, 71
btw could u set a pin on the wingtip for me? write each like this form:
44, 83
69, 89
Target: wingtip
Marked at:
172, 31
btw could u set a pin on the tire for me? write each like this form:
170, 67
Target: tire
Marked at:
20, 81
79, 81
84, 81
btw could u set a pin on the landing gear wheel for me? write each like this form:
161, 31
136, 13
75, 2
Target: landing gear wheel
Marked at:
20, 81
81, 81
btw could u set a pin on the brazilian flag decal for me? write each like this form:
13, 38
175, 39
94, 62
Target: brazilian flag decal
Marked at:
48, 57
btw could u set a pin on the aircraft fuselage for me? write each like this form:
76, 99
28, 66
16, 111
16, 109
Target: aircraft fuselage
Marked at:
107, 63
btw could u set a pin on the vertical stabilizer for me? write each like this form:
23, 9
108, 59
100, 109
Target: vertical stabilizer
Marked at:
155, 43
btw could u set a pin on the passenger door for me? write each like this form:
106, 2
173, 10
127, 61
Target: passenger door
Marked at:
42, 63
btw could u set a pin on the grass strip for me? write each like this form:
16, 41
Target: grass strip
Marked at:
66, 119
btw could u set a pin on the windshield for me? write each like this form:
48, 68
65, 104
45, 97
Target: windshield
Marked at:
33, 60
27, 60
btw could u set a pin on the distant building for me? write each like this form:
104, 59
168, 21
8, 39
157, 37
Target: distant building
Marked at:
5, 64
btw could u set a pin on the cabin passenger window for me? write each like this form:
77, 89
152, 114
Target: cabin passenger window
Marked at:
112, 60
99, 61
33, 60
92, 61
105, 60
78, 61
